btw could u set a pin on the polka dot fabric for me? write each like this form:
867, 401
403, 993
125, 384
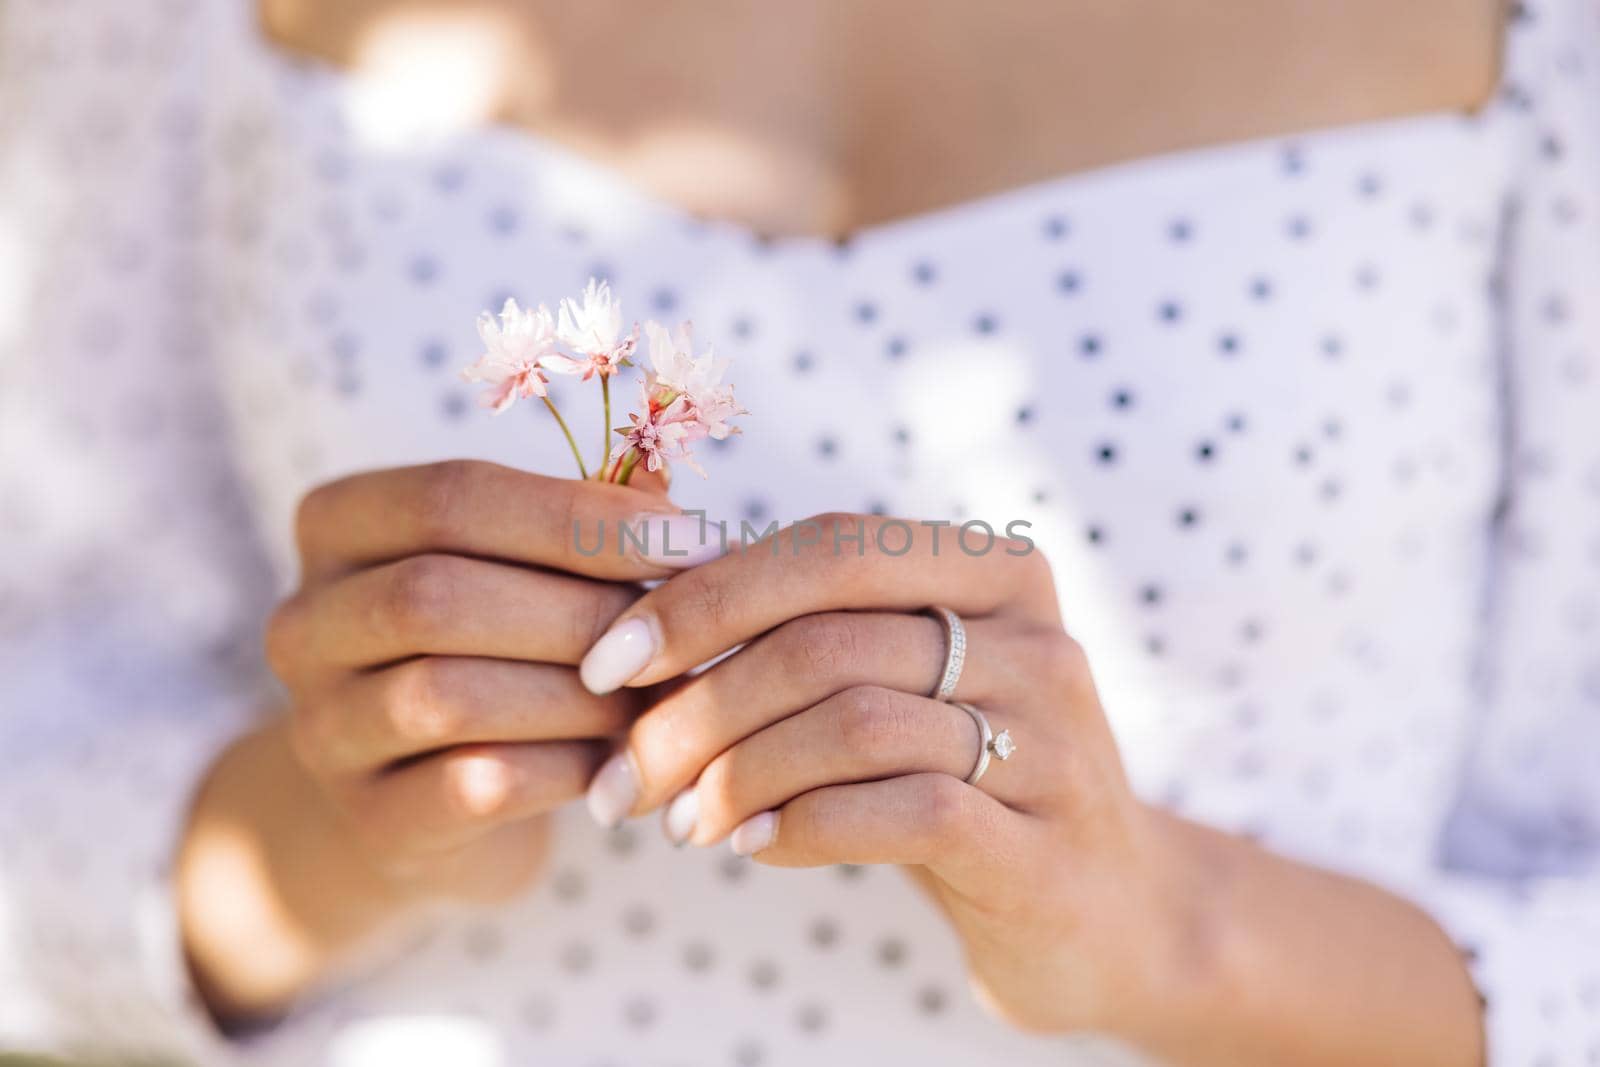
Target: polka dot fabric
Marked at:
1303, 424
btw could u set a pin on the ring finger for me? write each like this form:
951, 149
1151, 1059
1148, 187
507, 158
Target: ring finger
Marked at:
801, 663
863, 734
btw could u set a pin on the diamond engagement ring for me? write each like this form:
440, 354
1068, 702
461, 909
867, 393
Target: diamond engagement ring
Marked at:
999, 745
955, 653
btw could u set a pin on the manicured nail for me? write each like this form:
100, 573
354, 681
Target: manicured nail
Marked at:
622, 652
681, 815
614, 790
755, 833
676, 540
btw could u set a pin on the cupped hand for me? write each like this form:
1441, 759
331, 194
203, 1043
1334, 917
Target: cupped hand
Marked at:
817, 742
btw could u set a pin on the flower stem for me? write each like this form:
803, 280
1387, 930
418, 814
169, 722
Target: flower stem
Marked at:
583, 471
605, 438
626, 465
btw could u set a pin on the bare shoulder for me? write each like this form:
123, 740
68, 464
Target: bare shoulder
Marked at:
1090, 83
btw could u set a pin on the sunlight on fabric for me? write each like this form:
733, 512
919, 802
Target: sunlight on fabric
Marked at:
419, 77
961, 411
977, 386
588, 194
418, 1041
13, 279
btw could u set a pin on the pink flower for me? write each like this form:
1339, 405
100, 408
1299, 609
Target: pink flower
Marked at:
682, 396
514, 345
683, 401
678, 372
662, 433
593, 331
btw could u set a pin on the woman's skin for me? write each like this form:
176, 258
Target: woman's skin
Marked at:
831, 115
423, 743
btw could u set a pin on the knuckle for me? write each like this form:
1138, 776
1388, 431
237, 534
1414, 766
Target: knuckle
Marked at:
439, 510
709, 601
1066, 662
942, 810
476, 787
826, 645
828, 521
809, 538
311, 514
870, 719
720, 787
1027, 554
281, 639
1039, 575
420, 707
1030, 567
417, 596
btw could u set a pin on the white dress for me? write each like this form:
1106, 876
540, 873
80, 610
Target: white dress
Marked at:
1307, 427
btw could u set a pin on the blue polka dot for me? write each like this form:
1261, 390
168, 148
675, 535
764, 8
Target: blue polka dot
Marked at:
434, 353
449, 178
424, 270
504, 220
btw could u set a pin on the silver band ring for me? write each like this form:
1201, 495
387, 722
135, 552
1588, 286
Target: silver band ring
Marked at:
999, 745
955, 654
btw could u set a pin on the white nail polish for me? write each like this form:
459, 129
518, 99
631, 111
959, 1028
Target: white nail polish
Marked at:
755, 833
679, 541
681, 815
614, 791
620, 654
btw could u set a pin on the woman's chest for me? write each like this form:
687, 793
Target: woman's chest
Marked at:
817, 118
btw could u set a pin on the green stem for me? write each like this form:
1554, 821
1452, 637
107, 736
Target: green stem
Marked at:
583, 472
628, 462
605, 439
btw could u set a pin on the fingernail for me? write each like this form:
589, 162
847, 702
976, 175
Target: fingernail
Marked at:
614, 791
676, 540
681, 815
755, 833
622, 652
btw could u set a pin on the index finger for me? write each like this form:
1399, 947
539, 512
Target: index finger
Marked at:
473, 508
829, 563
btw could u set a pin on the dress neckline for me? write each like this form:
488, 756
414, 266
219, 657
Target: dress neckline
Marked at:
1038, 194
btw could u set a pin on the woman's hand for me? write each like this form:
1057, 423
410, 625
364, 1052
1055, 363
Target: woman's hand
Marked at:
817, 743
435, 710
1080, 908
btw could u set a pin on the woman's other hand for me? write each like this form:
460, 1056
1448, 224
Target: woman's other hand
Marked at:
435, 714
